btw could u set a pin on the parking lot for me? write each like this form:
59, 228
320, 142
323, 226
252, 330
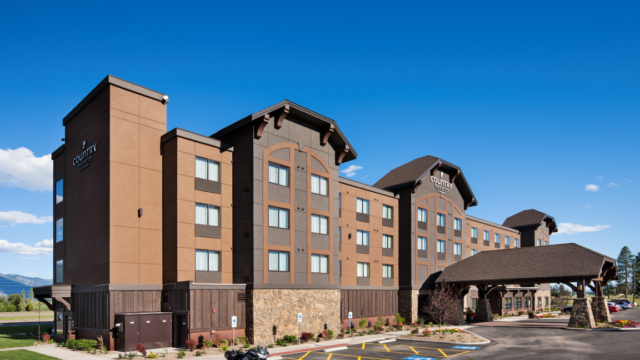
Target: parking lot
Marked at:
397, 350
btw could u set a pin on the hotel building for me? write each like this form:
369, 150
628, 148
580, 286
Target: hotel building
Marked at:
164, 236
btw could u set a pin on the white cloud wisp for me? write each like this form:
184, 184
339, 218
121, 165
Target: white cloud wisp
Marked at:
351, 170
20, 168
592, 188
44, 247
18, 217
570, 229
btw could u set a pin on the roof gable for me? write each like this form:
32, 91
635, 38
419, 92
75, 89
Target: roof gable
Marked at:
529, 218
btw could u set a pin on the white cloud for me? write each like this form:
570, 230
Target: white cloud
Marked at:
20, 168
588, 207
569, 228
351, 170
599, 177
31, 274
43, 247
18, 217
592, 187
612, 184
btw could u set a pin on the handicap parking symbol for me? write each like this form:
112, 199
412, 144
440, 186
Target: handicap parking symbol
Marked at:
419, 358
466, 347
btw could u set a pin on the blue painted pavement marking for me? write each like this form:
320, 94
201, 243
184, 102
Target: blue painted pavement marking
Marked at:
466, 347
419, 358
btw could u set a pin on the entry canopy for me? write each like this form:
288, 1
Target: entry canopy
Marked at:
563, 263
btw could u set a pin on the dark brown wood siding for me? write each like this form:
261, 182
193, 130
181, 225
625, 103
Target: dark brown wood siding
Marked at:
368, 303
133, 301
91, 310
201, 302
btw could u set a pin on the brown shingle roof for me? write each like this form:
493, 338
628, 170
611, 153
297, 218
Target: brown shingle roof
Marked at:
530, 217
527, 265
407, 173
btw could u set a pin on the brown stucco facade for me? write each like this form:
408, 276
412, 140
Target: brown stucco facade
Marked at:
207, 227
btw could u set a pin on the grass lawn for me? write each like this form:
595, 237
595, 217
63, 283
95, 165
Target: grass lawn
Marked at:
25, 329
11, 341
23, 355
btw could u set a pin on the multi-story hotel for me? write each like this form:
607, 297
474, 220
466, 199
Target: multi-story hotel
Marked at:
164, 236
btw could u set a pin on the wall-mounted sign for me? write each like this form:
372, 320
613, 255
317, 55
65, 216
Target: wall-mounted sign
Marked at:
83, 160
442, 185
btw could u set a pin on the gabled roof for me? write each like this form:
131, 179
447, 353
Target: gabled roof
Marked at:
531, 217
337, 137
535, 264
412, 172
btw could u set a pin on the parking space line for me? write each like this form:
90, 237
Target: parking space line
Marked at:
305, 355
400, 352
385, 346
363, 345
445, 355
419, 347
329, 356
359, 357
461, 353
414, 350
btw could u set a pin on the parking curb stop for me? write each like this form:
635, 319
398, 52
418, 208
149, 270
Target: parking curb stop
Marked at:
337, 348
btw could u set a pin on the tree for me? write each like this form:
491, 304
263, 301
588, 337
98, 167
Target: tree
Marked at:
625, 269
441, 305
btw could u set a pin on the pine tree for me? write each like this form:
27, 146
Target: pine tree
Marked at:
625, 269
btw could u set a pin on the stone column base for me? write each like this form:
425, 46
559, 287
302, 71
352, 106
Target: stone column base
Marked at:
600, 310
483, 310
408, 305
581, 314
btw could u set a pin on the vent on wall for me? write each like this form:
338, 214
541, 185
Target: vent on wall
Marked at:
242, 296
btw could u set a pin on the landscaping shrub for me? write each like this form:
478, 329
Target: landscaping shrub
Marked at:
181, 354
363, 323
224, 348
46, 337
153, 355
9, 308
29, 307
330, 333
141, 349
270, 346
290, 339
306, 336
191, 344
208, 343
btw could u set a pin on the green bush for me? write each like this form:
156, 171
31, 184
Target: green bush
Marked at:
30, 307
363, 323
153, 355
10, 308
290, 339
208, 343
270, 346
224, 348
181, 354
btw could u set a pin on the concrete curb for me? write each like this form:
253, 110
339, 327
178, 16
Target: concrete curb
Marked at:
604, 329
386, 341
337, 348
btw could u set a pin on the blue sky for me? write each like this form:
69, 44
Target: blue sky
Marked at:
533, 100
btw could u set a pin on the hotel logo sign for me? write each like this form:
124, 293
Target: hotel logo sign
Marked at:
442, 186
83, 160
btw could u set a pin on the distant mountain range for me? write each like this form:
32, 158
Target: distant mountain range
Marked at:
14, 284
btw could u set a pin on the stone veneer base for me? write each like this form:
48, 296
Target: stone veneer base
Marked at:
600, 310
581, 314
483, 310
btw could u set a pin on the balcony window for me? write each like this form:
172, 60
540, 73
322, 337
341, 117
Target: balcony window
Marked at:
474, 233
457, 224
207, 260
319, 224
59, 230
507, 240
362, 206
207, 215
319, 264
442, 219
516, 242
457, 249
387, 242
474, 252
422, 215
497, 238
207, 169
278, 174
59, 272
486, 235
546, 243
362, 238
278, 218
387, 212
318, 185
422, 243
537, 242
59, 191
442, 246
387, 271
363, 270
278, 261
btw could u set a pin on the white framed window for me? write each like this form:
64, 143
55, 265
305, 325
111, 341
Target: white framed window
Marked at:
59, 230
319, 224
319, 185
387, 271
363, 270
59, 191
422, 243
207, 169
422, 215
538, 242
486, 235
278, 217
457, 224
278, 174
457, 249
362, 206
516, 242
387, 241
319, 264
474, 252
474, 233
507, 240
278, 261
59, 272
442, 219
497, 238
387, 212
207, 215
362, 238
207, 260
442, 246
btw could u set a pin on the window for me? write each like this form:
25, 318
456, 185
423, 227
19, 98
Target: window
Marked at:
207, 215
362, 238
278, 261
518, 303
387, 271
59, 191
422, 243
278, 218
474, 303
507, 240
457, 224
340, 200
362, 206
497, 238
387, 212
474, 233
546, 301
539, 302
278, 174
319, 264
363, 269
207, 169
538, 242
474, 252
457, 249
516, 242
442, 219
340, 232
59, 272
546, 243
508, 303
387, 242
319, 224
486, 235
207, 260
422, 215
59, 230
318, 185
340, 267
442, 246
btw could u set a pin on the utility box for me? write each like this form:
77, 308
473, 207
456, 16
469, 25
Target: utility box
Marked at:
147, 329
